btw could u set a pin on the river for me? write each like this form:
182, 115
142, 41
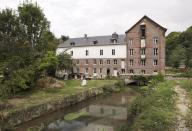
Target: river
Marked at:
103, 113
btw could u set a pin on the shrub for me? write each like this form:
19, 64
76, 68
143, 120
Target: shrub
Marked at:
20, 80
119, 84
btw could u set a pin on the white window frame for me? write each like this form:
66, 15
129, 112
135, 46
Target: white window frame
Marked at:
155, 40
155, 51
86, 52
155, 62
113, 51
115, 62
131, 62
101, 52
131, 52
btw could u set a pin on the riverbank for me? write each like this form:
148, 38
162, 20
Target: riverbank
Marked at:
38, 102
154, 109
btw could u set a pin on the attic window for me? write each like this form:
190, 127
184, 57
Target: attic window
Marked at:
95, 42
72, 43
143, 30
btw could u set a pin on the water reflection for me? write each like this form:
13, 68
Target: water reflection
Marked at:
106, 113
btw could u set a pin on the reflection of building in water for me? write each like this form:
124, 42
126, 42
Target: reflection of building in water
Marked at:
101, 118
120, 99
97, 127
113, 112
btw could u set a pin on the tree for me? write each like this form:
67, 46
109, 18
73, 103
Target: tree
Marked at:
64, 61
9, 33
177, 56
49, 41
64, 38
34, 22
48, 64
171, 44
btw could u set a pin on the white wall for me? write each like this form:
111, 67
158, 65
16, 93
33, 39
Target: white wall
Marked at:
94, 51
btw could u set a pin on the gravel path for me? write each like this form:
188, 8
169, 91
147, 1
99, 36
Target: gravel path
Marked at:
182, 105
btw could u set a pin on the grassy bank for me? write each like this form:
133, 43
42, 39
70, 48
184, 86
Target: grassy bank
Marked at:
154, 109
41, 96
187, 84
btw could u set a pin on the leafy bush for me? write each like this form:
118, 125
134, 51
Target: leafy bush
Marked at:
48, 64
119, 84
19, 80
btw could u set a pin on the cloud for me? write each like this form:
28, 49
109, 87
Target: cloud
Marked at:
103, 17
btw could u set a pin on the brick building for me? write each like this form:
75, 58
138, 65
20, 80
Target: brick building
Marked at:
140, 51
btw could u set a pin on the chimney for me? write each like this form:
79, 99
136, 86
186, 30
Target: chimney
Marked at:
85, 36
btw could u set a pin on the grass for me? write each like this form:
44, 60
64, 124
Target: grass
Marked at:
154, 110
41, 96
187, 84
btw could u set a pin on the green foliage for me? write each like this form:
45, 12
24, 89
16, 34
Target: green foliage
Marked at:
33, 21
171, 43
25, 40
48, 64
187, 73
177, 56
179, 48
187, 84
64, 61
75, 115
154, 110
120, 84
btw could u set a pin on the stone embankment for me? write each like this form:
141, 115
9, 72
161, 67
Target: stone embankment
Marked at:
26, 114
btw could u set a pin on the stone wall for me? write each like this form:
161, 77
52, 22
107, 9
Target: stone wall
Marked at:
27, 114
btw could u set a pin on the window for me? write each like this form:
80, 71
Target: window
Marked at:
142, 71
101, 62
101, 52
94, 70
155, 51
131, 71
77, 61
72, 43
143, 51
131, 51
113, 51
113, 41
94, 61
77, 70
130, 42
115, 62
95, 42
155, 62
155, 40
101, 70
86, 52
143, 31
131, 62
71, 53
123, 71
86, 70
155, 72
108, 62
143, 62
86, 61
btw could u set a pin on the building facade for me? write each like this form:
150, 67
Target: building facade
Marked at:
140, 51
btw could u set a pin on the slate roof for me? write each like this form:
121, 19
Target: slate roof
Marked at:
89, 41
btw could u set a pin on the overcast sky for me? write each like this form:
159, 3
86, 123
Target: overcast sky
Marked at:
103, 17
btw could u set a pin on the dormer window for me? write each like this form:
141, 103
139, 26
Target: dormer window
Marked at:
72, 43
114, 38
95, 42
